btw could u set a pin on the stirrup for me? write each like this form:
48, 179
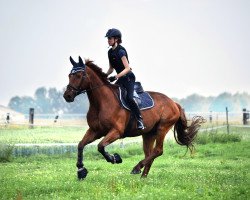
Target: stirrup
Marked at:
140, 125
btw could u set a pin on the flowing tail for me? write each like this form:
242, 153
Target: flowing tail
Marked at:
184, 134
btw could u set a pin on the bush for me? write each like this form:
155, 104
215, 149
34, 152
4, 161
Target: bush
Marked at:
6, 151
205, 138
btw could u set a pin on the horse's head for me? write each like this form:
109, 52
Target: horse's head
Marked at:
77, 80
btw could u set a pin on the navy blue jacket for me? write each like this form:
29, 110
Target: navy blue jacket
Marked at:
115, 58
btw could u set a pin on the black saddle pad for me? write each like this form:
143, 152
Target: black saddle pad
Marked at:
143, 99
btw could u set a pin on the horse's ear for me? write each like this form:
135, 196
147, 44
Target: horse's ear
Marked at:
80, 61
72, 61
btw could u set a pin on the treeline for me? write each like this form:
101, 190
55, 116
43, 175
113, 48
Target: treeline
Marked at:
51, 101
234, 102
47, 101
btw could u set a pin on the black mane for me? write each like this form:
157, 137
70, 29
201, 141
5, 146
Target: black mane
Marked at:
100, 73
97, 70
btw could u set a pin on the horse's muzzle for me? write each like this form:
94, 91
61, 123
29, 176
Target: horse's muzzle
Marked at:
69, 98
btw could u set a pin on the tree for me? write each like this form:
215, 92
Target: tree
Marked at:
195, 102
15, 103
42, 102
220, 102
22, 104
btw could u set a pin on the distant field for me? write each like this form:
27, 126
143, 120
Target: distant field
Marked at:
55, 134
22, 134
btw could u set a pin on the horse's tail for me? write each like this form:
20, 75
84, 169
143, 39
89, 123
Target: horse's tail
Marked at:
184, 134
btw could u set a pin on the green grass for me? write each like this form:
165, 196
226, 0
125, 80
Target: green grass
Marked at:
38, 135
217, 171
243, 132
22, 134
211, 137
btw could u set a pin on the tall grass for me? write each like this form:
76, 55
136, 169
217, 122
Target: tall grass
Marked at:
214, 137
6, 152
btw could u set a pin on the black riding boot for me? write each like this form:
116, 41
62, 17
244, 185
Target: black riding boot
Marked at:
140, 125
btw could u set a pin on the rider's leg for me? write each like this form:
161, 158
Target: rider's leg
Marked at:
134, 107
132, 104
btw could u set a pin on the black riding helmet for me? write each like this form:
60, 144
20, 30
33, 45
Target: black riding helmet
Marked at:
114, 33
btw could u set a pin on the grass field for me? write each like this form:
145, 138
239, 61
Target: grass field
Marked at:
22, 134
218, 170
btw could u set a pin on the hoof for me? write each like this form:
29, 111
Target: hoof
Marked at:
135, 171
117, 158
144, 176
82, 173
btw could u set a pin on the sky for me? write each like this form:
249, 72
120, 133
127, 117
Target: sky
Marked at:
177, 47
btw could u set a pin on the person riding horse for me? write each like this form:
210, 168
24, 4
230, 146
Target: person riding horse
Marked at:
109, 123
118, 60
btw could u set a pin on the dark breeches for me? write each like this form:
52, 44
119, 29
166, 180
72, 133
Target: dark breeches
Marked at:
128, 82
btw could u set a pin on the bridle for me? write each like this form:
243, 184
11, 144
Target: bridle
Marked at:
79, 90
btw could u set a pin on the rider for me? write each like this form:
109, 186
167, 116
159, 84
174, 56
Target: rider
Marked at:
118, 60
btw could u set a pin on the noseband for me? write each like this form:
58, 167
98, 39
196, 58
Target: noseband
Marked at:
78, 91
75, 90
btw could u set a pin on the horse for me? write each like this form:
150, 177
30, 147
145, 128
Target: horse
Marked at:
108, 120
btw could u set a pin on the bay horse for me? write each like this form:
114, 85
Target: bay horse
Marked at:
106, 118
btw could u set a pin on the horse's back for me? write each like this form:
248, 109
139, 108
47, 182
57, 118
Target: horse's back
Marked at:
164, 106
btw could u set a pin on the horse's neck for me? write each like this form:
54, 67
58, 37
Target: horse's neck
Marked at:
100, 95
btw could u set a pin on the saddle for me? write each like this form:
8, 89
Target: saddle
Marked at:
142, 98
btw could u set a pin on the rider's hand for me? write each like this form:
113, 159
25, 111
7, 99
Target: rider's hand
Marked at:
112, 78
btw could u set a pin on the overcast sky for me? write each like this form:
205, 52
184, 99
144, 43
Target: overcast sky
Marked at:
177, 47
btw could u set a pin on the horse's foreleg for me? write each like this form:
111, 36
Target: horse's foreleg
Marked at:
112, 136
89, 137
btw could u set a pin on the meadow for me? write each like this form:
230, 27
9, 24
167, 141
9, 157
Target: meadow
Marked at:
47, 134
218, 170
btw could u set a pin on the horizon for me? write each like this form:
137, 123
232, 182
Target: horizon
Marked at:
181, 98
178, 48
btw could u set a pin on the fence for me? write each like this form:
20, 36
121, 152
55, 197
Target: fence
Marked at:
78, 120
74, 120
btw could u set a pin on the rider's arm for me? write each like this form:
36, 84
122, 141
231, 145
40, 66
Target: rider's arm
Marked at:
126, 65
110, 70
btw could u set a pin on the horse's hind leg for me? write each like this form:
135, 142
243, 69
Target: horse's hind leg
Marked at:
157, 151
148, 144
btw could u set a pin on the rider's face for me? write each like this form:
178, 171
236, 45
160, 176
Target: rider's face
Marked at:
111, 41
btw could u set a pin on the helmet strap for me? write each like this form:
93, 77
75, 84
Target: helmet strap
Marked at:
114, 45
